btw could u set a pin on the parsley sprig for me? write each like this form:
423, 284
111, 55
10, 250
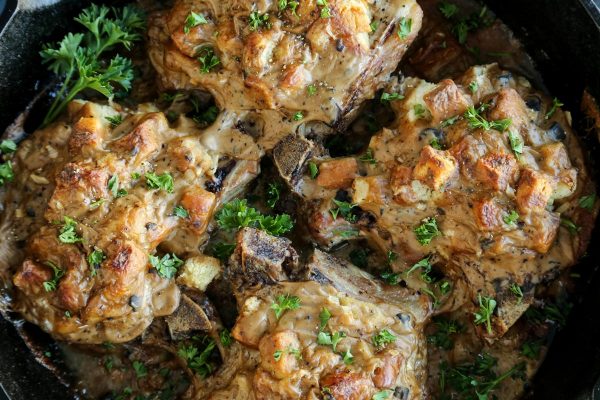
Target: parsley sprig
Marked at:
199, 361
50, 286
446, 329
477, 121
487, 305
427, 231
383, 338
67, 232
285, 302
237, 214
78, 57
167, 266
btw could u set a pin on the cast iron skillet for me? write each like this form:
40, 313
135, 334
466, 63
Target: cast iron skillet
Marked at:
562, 36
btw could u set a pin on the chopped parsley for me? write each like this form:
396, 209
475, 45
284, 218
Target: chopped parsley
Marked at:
473, 87
140, 369
347, 357
311, 89
288, 4
163, 181
382, 395
115, 120
324, 317
487, 305
570, 225
225, 338
446, 328
198, 361
95, 259
450, 121
206, 117
447, 9
425, 267
273, 193
427, 231
368, 157
435, 143
6, 172
383, 338
207, 59
167, 266
420, 111
193, 20
8, 146
587, 202
387, 97
344, 209
283, 303
511, 218
50, 286
298, 116
374, 25
330, 339
517, 291
181, 212
516, 143
313, 169
325, 10
295, 352
476, 380
257, 20
477, 121
404, 27
531, 349
555, 105
390, 277
223, 250
67, 232
236, 214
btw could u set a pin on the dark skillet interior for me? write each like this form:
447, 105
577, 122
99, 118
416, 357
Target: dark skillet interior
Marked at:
563, 37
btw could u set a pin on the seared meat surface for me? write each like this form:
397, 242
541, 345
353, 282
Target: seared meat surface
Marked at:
309, 62
479, 177
94, 201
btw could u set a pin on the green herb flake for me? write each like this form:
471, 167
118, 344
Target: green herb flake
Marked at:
570, 225
236, 214
487, 305
67, 232
273, 193
383, 338
115, 120
587, 202
181, 212
207, 59
311, 90
325, 10
404, 27
427, 231
283, 303
225, 338
163, 181
257, 20
51, 285
511, 218
324, 317
447, 9
8, 146
517, 291
140, 369
446, 329
556, 104
167, 266
223, 251
387, 97
516, 143
382, 395
193, 20
313, 170
473, 87
368, 157
298, 116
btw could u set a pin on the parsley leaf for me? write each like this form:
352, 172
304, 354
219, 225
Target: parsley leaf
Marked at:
587, 202
487, 305
427, 231
368, 157
344, 209
330, 339
140, 369
313, 170
516, 143
383, 338
555, 105
387, 97
473, 87
181, 212
404, 27
298, 116
236, 214
347, 357
442, 336
225, 338
193, 20
324, 317
95, 259
325, 10
477, 121
207, 59
382, 395
273, 194
295, 352
197, 360
77, 58
115, 120
6, 172
531, 349
311, 89
67, 232
450, 121
570, 225
425, 266
420, 111
511, 218
448, 9
50, 286
163, 181
167, 266
223, 250
283, 303
257, 20
517, 291
8, 146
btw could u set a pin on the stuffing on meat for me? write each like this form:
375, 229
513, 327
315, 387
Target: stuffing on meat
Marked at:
105, 197
472, 182
296, 64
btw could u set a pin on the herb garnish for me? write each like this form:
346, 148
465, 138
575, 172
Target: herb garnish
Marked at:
404, 27
77, 58
587, 202
295, 352
477, 121
181, 212
163, 181
167, 266
223, 250
95, 259
140, 369
257, 20
285, 302
511, 218
383, 338
196, 360
555, 105
487, 305
193, 20
427, 231
236, 214
67, 232
445, 329
344, 209
313, 170
387, 97
325, 10
115, 120
273, 194
225, 338
368, 157
207, 59
50, 286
